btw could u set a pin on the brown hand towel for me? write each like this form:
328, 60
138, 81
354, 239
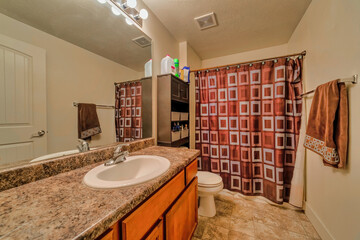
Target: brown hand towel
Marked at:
327, 130
88, 121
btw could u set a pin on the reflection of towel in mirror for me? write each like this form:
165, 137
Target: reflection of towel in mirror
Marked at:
327, 130
88, 121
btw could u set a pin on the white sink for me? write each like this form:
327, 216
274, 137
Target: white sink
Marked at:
134, 170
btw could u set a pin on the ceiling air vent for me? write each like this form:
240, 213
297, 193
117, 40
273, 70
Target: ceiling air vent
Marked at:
142, 41
206, 21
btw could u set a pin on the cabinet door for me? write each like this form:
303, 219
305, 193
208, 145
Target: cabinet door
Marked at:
138, 223
157, 233
175, 89
182, 218
184, 92
111, 234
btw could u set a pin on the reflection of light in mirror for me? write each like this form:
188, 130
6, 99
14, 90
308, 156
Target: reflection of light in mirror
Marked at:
102, 1
143, 14
115, 11
128, 21
131, 3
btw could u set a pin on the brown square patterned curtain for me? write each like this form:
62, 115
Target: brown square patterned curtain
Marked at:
128, 111
247, 125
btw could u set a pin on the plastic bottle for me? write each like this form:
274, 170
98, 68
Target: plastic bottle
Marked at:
176, 64
166, 64
148, 68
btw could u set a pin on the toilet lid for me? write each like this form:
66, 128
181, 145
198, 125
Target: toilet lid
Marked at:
208, 179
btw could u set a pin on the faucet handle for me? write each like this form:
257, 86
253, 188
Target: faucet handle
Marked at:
84, 145
118, 149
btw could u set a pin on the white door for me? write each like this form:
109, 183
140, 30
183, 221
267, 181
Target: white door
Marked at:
22, 101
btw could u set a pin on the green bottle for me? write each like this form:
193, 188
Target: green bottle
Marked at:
176, 63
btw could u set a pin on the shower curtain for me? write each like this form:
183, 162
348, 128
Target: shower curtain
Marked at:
128, 121
247, 125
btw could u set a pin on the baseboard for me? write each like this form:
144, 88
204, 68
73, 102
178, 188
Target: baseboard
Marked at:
317, 223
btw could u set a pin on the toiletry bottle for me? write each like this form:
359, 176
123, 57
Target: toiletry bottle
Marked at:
176, 64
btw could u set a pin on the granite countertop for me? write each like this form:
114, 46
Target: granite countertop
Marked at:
63, 207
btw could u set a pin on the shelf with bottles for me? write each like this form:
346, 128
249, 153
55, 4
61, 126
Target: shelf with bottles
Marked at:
179, 131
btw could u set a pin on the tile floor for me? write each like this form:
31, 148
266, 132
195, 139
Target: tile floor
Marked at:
238, 217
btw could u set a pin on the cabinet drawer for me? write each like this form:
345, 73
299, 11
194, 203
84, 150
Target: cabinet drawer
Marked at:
181, 220
158, 231
142, 219
191, 171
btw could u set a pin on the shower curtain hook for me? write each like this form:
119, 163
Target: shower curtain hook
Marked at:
263, 62
275, 61
238, 66
227, 68
250, 64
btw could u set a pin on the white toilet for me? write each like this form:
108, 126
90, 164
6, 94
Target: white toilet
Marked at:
209, 184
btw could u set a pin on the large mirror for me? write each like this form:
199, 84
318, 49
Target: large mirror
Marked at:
56, 68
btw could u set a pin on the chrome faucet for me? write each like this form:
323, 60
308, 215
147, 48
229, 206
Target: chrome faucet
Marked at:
83, 146
118, 156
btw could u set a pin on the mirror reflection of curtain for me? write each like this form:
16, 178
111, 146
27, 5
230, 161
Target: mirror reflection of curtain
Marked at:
247, 125
128, 111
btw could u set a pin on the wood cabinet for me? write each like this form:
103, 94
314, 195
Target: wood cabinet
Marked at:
182, 218
173, 97
170, 213
142, 219
157, 233
112, 233
191, 171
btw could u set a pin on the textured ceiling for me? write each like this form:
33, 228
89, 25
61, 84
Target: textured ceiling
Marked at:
85, 23
243, 24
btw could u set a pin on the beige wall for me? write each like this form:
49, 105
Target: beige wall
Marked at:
162, 43
188, 57
72, 74
246, 56
330, 32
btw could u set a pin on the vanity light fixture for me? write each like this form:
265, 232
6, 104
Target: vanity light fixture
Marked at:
144, 14
128, 21
131, 3
115, 11
127, 9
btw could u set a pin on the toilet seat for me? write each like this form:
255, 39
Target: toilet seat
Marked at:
208, 180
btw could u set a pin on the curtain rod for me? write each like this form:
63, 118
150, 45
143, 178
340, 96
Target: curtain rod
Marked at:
303, 53
131, 81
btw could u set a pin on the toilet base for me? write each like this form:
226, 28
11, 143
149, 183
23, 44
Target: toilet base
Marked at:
207, 206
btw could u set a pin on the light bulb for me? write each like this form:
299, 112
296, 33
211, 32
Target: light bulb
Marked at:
128, 21
131, 3
143, 14
115, 11
102, 1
